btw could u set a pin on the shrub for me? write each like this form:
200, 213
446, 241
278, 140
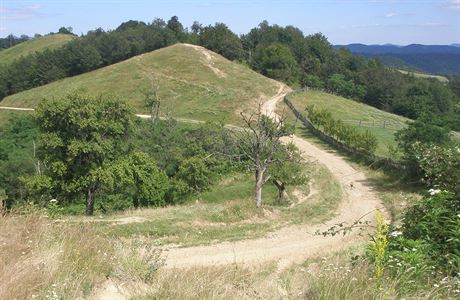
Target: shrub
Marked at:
196, 173
436, 220
340, 131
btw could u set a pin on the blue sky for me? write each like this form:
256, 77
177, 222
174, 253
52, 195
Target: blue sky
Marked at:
342, 21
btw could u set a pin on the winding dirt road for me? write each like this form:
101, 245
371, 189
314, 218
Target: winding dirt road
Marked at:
294, 243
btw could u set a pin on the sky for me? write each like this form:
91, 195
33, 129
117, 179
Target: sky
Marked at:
400, 22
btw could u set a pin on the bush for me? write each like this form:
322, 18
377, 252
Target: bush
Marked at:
435, 220
195, 173
342, 132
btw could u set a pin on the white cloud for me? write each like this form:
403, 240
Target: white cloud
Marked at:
454, 4
403, 25
21, 13
391, 15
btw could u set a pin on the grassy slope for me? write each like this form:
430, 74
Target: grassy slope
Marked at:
423, 75
189, 88
54, 41
353, 112
7, 115
227, 212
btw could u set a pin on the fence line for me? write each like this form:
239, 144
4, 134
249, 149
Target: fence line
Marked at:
370, 157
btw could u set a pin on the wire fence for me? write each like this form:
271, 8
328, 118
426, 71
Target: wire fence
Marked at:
376, 124
370, 157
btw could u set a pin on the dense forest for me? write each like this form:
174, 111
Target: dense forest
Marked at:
282, 53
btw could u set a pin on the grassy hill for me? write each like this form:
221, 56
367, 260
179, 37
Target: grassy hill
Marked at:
423, 75
193, 83
54, 41
381, 123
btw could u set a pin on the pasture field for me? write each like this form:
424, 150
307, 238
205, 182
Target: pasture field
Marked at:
49, 42
192, 82
364, 117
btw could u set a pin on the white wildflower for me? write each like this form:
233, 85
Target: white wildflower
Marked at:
53, 201
434, 191
396, 233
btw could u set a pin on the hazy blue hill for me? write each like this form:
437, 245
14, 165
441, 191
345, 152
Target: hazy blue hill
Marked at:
436, 59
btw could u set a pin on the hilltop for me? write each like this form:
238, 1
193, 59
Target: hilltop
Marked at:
192, 81
49, 42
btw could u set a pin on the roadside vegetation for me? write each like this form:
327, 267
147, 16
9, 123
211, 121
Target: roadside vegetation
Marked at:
363, 117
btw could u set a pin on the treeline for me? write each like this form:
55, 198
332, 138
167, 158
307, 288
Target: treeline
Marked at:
12, 40
94, 50
282, 53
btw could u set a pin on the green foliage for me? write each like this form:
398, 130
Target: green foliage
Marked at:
195, 173
420, 131
287, 170
435, 220
38, 187
342, 132
276, 61
16, 154
222, 40
410, 261
338, 84
81, 135
312, 81
379, 246
138, 175
440, 165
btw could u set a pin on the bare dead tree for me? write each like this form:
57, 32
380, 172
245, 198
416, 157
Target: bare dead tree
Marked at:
258, 142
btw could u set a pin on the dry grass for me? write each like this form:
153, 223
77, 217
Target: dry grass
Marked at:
40, 257
188, 87
227, 212
43, 259
50, 42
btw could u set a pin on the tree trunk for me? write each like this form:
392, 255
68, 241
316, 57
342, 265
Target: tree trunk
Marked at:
281, 190
259, 184
152, 113
90, 202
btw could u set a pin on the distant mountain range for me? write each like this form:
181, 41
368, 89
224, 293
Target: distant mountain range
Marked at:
435, 59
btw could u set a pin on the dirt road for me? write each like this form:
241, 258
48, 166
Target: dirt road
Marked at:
294, 243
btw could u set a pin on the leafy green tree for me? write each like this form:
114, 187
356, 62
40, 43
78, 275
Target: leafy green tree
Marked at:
66, 30
80, 135
287, 170
176, 27
222, 40
195, 172
276, 61
16, 155
138, 175
422, 131
312, 81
